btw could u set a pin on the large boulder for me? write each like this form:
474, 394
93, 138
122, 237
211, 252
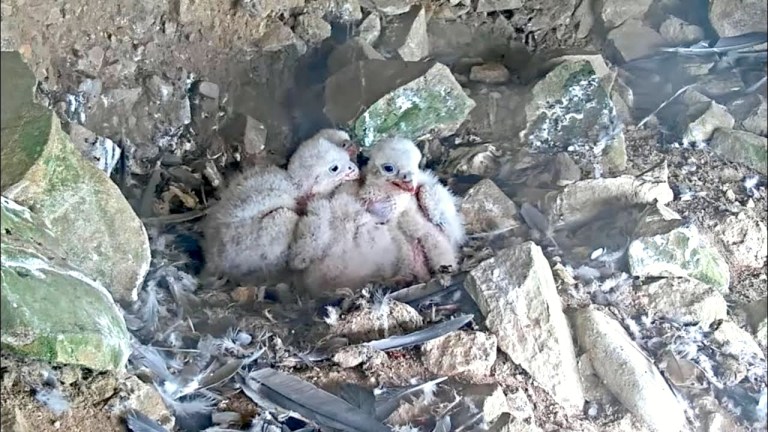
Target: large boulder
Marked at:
49, 309
570, 110
42, 170
380, 98
735, 17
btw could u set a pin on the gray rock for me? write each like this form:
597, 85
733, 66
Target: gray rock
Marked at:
100, 151
584, 16
683, 299
354, 355
516, 293
486, 208
520, 406
370, 29
499, 111
312, 28
389, 7
365, 325
405, 36
682, 252
156, 88
346, 11
446, 11
701, 121
633, 40
745, 238
50, 309
732, 18
461, 351
570, 204
497, 5
678, 32
489, 399
757, 120
520, 426
95, 225
208, 89
616, 12
278, 36
737, 342
741, 147
351, 51
490, 73
91, 61
627, 372
134, 394
569, 109
91, 88
379, 98
756, 313
492, 38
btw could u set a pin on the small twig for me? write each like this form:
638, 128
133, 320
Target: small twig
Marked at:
665, 103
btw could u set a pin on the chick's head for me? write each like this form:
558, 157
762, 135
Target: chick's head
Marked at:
322, 163
395, 161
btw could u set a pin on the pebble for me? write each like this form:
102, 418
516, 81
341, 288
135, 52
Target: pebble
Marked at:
209, 89
489, 73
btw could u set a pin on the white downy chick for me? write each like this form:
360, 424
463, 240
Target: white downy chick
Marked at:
249, 232
416, 203
340, 245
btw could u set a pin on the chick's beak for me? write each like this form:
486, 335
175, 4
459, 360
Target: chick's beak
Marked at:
352, 173
350, 147
406, 185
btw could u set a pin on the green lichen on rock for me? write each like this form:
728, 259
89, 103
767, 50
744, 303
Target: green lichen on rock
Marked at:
42, 170
570, 110
50, 310
380, 98
682, 252
742, 147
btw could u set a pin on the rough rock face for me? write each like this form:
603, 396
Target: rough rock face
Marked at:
745, 238
516, 293
742, 147
405, 36
485, 208
735, 17
380, 98
683, 299
627, 372
570, 110
682, 252
42, 170
50, 310
458, 352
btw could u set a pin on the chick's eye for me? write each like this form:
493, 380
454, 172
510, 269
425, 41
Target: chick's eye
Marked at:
334, 169
388, 168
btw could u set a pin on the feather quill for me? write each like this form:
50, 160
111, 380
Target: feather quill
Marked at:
295, 395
